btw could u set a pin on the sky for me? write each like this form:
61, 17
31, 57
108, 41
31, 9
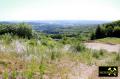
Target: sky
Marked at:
59, 10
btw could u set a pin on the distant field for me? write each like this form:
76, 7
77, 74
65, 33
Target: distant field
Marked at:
111, 40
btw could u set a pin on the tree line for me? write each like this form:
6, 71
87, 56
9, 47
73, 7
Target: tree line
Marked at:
107, 30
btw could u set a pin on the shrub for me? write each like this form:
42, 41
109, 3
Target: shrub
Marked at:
57, 36
7, 28
22, 30
99, 54
55, 54
14, 74
96, 55
5, 75
92, 36
7, 38
117, 57
42, 68
29, 74
79, 47
32, 42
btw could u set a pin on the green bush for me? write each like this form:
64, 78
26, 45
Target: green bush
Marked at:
92, 36
7, 38
99, 54
96, 55
55, 54
32, 42
79, 47
57, 36
24, 30
21, 30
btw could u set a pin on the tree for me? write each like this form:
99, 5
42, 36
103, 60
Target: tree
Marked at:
100, 32
116, 31
92, 36
109, 31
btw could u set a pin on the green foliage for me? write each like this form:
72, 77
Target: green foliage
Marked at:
5, 75
107, 30
55, 54
98, 54
78, 47
92, 36
32, 42
24, 30
21, 30
66, 40
3, 63
109, 40
100, 32
7, 28
116, 31
102, 52
57, 36
42, 69
117, 58
36, 35
29, 74
14, 74
7, 38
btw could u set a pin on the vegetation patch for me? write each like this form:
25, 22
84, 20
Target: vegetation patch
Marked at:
109, 40
44, 57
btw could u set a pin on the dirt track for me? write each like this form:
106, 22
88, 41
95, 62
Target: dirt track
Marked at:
107, 47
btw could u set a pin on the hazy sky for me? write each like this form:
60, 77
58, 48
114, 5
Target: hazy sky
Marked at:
59, 9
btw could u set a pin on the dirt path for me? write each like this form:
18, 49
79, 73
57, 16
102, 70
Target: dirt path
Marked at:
107, 47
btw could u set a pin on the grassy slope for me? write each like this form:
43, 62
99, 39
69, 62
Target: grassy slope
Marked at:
111, 40
38, 60
49, 59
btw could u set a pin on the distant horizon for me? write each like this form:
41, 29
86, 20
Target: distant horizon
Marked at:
55, 20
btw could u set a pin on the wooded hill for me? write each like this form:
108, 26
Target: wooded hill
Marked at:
107, 30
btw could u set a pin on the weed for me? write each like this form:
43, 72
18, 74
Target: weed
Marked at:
14, 74
42, 69
5, 75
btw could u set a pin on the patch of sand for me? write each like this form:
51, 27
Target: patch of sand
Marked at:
107, 47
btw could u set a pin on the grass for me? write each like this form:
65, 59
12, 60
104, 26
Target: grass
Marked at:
110, 40
40, 60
